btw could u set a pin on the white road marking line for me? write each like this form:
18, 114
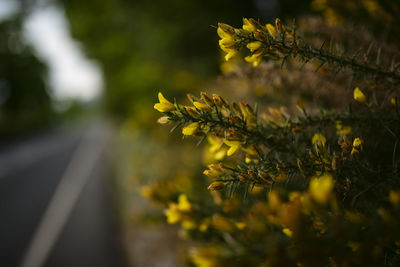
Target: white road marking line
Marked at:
64, 199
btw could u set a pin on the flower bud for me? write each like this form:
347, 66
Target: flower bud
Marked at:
207, 99
213, 174
192, 98
190, 129
260, 36
163, 120
225, 168
297, 129
253, 175
192, 112
201, 106
235, 119
243, 177
216, 186
278, 25
336, 163
236, 107
218, 100
300, 165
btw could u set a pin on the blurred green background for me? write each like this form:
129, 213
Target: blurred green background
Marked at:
141, 47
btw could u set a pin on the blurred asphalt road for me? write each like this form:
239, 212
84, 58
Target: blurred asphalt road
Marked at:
55, 200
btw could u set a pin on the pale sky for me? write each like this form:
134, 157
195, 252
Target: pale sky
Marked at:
72, 75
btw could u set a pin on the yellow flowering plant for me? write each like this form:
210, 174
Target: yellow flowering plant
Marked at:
297, 186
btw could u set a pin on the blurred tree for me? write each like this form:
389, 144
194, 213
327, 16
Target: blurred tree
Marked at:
24, 100
144, 46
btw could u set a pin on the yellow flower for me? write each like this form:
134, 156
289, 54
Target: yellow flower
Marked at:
354, 151
356, 146
271, 30
188, 225
240, 225
212, 173
173, 214
183, 203
190, 129
215, 143
359, 95
204, 225
227, 42
221, 154
321, 188
318, 139
345, 130
287, 232
164, 105
203, 261
254, 46
255, 58
248, 115
223, 30
230, 54
342, 130
394, 197
393, 101
248, 26
234, 146
357, 142
215, 151
319, 142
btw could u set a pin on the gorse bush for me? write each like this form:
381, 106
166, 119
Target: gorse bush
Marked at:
294, 186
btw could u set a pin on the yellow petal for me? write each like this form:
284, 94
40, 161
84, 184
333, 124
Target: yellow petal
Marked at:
234, 146
164, 107
287, 232
248, 26
162, 99
231, 54
163, 120
201, 106
189, 225
240, 225
359, 95
190, 129
172, 213
254, 45
255, 58
271, 30
216, 186
357, 142
318, 139
321, 188
183, 203
227, 41
221, 33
